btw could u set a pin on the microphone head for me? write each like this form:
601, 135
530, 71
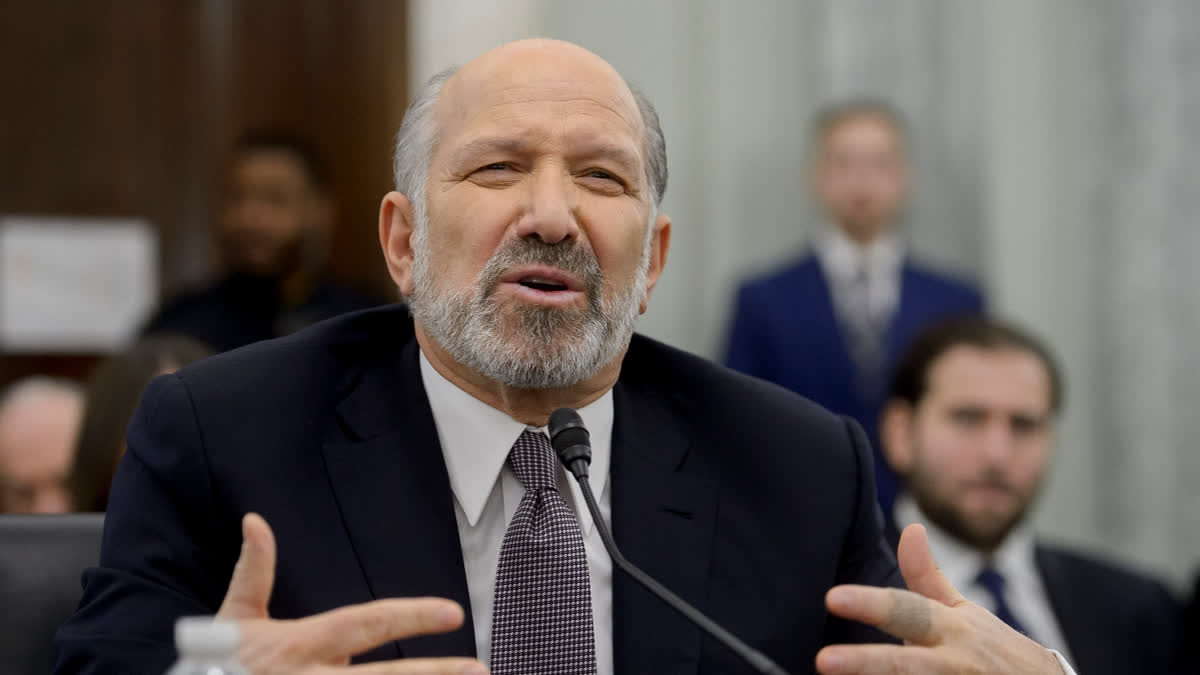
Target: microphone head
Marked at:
570, 440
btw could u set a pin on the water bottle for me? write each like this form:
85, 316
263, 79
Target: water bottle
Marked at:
206, 647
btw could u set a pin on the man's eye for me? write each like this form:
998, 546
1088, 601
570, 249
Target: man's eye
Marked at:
497, 166
604, 182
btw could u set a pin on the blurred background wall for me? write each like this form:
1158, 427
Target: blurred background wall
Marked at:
129, 107
1054, 147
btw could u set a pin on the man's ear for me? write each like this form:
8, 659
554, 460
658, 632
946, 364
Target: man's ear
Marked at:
896, 435
395, 237
660, 245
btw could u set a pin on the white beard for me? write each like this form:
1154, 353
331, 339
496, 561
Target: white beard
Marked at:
536, 347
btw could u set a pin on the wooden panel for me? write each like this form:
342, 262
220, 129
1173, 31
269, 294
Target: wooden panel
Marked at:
128, 107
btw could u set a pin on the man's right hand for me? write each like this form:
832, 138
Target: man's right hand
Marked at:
324, 643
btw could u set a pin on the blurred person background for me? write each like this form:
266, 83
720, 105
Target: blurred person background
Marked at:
113, 392
969, 426
273, 230
39, 424
1052, 160
830, 324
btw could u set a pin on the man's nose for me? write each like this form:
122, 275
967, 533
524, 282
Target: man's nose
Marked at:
998, 444
550, 212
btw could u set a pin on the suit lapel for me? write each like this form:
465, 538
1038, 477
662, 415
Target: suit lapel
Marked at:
663, 521
391, 485
1074, 618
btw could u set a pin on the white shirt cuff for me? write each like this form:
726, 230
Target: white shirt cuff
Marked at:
1066, 667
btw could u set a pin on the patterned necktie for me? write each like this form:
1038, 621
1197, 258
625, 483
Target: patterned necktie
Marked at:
542, 614
994, 583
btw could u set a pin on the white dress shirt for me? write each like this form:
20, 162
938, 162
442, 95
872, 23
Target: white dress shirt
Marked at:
843, 260
476, 439
1024, 591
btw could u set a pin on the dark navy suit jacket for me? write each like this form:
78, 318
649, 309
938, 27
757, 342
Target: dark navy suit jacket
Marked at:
744, 498
785, 331
1115, 621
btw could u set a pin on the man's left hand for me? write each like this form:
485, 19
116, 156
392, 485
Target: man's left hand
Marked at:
943, 631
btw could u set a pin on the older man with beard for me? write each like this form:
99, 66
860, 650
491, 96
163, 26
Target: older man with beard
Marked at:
970, 428
417, 514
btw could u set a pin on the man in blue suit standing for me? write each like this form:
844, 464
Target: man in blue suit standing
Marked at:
830, 325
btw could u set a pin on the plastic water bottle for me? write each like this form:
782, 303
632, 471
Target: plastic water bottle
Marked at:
206, 647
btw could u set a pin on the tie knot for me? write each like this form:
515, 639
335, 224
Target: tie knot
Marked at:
992, 581
533, 461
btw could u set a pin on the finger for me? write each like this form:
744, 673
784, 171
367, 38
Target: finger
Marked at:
876, 660
899, 613
921, 573
351, 630
254, 575
418, 667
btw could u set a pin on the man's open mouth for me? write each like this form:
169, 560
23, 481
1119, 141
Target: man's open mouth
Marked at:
540, 284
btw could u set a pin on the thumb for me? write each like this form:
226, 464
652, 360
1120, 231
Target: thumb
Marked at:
921, 573
254, 575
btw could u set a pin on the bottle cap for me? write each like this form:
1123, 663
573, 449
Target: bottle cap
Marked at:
205, 635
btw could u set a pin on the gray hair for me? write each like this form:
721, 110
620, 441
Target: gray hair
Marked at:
655, 147
415, 143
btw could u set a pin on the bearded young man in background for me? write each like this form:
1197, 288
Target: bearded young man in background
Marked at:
970, 427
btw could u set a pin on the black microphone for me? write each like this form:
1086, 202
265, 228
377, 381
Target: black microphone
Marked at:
571, 441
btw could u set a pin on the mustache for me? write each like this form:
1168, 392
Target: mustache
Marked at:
572, 258
994, 480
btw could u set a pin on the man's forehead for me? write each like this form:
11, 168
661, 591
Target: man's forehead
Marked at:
539, 59
271, 163
537, 71
981, 373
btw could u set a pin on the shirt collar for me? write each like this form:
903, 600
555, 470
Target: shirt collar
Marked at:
960, 563
476, 439
844, 257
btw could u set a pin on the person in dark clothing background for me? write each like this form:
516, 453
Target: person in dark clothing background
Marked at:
113, 391
1189, 646
273, 233
830, 324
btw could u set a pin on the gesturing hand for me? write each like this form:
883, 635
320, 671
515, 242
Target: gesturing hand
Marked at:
943, 632
323, 644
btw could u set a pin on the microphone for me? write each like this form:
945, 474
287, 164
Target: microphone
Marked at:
571, 441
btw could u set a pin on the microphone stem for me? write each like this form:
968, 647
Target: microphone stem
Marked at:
755, 658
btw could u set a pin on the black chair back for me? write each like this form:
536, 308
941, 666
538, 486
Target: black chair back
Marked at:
41, 559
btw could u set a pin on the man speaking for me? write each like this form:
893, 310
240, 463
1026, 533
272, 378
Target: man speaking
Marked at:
417, 515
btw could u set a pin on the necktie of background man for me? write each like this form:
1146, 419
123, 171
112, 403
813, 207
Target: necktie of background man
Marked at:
995, 584
864, 331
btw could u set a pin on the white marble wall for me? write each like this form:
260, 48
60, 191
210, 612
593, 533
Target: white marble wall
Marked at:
1146, 201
